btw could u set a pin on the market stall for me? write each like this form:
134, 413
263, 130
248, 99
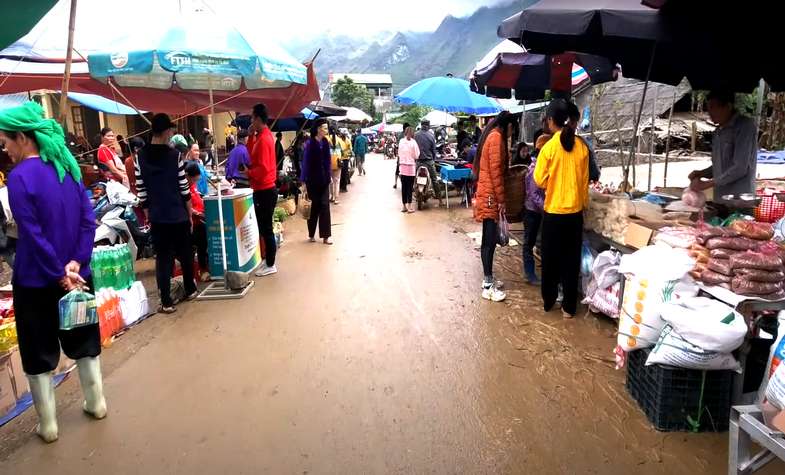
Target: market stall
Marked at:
697, 301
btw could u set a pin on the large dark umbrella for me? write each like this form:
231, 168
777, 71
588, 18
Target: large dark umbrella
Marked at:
716, 45
530, 75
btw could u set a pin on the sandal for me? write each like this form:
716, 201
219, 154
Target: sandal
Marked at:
328, 241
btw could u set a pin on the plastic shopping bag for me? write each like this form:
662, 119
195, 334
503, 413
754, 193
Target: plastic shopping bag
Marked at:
77, 309
504, 230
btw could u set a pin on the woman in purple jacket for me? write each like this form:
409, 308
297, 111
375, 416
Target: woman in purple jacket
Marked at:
532, 216
317, 176
56, 227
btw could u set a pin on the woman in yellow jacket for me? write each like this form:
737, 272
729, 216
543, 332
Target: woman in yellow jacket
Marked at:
563, 172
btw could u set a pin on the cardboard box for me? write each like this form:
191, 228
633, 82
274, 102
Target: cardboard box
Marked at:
18, 377
7, 396
637, 236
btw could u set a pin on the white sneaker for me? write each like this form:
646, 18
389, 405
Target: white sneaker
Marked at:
266, 270
496, 283
493, 294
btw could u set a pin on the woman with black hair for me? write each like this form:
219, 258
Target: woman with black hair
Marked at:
317, 173
490, 168
108, 161
562, 170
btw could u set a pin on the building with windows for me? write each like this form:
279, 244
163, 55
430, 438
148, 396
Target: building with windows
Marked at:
380, 85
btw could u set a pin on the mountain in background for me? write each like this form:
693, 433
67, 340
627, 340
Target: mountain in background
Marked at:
455, 47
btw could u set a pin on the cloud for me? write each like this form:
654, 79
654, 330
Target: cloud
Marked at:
291, 19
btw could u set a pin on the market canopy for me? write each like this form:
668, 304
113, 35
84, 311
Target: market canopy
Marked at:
388, 128
440, 118
712, 44
101, 104
509, 68
37, 61
353, 114
18, 19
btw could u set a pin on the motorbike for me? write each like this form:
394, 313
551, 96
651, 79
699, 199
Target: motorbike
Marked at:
443, 150
114, 209
391, 150
423, 188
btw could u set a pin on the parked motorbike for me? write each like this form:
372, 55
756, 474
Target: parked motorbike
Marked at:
114, 209
423, 187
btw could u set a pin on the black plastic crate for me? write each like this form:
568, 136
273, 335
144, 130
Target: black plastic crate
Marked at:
670, 397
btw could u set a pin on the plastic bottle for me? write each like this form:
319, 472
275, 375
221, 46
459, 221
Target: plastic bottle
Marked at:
113, 263
95, 266
129, 263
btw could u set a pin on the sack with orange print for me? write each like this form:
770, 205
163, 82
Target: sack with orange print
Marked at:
640, 323
110, 315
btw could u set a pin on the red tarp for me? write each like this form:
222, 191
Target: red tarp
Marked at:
281, 102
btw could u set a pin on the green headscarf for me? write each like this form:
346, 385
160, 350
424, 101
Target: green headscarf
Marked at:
48, 133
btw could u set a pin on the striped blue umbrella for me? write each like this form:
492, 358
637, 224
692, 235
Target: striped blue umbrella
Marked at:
196, 53
448, 94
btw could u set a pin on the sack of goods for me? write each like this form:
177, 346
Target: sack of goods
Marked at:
775, 391
655, 275
700, 333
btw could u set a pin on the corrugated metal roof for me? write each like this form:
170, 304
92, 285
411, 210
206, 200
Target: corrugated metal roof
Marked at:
362, 78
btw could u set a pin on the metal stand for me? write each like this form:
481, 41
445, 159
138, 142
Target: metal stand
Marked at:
746, 426
218, 290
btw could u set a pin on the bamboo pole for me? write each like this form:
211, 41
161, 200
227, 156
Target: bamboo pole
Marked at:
668, 139
634, 146
651, 132
67, 72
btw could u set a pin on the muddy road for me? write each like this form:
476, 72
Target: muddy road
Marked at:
375, 355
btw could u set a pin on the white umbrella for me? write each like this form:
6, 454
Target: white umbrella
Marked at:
440, 118
353, 114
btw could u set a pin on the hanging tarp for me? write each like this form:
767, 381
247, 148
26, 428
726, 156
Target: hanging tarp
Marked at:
101, 104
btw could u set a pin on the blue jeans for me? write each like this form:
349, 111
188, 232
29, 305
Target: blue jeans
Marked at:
531, 228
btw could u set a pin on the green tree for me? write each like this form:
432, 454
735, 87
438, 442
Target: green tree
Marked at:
412, 115
347, 93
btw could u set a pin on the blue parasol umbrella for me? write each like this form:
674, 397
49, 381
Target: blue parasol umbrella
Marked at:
197, 53
448, 94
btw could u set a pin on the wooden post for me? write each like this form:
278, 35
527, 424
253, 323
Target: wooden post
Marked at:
694, 140
636, 143
67, 72
668, 139
651, 135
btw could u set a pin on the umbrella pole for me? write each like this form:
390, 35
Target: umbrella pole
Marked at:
220, 204
668, 140
651, 134
67, 72
120, 93
633, 148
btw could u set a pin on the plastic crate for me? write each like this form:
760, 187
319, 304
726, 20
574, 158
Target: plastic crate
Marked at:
771, 208
670, 397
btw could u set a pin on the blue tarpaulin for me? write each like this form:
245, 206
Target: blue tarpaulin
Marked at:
773, 158
101, 103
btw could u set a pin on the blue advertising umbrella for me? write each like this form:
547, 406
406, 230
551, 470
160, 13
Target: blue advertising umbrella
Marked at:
448, 94
196, 53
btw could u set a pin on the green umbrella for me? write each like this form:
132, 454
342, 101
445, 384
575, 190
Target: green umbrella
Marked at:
18, 20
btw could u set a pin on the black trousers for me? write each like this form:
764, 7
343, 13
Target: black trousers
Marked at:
561, 259
490, 237
531, 228
320, 210
344, 175
407, 186
38, 330
172, 241
200, 242
264, 202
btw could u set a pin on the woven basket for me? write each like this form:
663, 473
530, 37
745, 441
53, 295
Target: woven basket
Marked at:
515, 192
304, 205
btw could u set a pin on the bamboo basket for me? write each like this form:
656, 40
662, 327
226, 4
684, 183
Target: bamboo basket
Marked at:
515, 192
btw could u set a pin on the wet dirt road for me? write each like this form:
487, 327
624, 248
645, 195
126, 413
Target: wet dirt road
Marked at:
375, 355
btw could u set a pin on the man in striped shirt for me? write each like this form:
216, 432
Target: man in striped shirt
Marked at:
165, 196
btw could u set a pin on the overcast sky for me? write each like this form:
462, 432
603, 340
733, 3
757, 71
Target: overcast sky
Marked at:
288, 19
